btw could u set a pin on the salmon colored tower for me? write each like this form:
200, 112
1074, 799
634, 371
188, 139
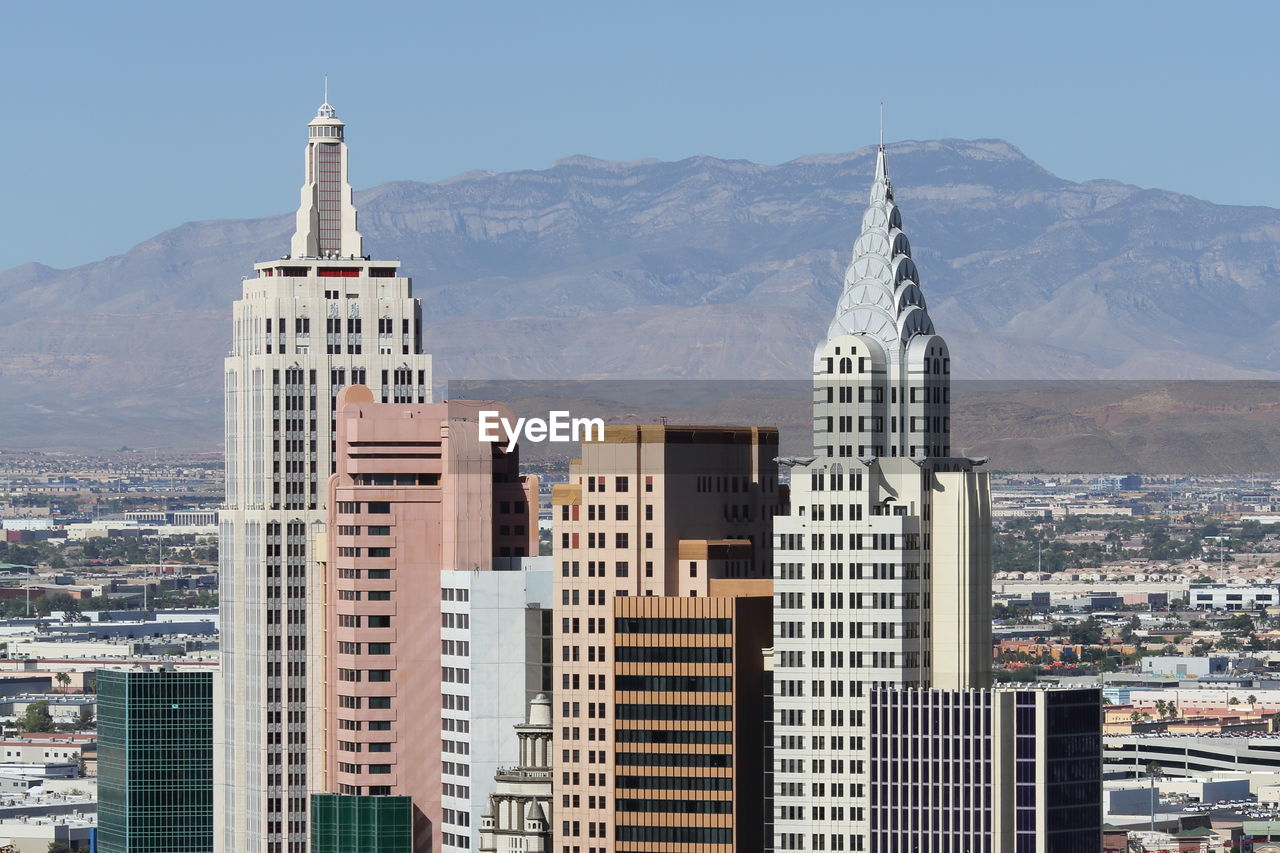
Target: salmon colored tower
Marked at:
415, 492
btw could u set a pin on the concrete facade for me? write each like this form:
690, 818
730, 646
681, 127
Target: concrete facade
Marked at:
321, 318
415, 494
517, 818
882, 586
500, 634
660, 536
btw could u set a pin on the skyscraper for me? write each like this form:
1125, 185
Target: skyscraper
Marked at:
320, 318
882, 567
417, 495
661, 582
155, 756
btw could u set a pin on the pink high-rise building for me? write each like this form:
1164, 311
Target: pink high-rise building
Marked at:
415, 492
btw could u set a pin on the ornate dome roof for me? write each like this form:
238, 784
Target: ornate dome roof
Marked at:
881, 296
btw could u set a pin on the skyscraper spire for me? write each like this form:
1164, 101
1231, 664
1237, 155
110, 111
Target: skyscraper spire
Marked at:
881, 297
326, 216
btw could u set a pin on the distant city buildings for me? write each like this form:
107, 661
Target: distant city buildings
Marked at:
1117, 482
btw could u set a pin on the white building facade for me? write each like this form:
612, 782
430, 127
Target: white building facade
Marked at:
322, 317
497, 658
882, 572
517, 818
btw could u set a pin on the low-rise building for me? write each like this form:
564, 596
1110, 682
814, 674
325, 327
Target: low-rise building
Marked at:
35, 834
1223, 597
1186, 667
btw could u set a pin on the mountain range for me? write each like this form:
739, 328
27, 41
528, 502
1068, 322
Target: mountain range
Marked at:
702, 268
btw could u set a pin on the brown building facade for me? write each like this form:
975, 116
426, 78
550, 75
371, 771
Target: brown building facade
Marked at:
662, 560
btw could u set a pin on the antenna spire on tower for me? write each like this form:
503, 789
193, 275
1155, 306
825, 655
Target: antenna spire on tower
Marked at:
326, 100
881, 123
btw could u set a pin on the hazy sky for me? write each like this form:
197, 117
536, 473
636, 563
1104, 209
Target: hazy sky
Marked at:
123, 119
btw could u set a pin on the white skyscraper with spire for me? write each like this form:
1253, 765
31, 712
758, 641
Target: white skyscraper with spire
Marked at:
322, 317
882, 569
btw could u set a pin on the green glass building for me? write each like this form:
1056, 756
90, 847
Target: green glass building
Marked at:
155, 761
344, 823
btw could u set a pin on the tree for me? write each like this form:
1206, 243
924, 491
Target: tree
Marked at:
85, 719
63, 680
1237, 622
1252, 699
1087, 633
60, 847
36, 718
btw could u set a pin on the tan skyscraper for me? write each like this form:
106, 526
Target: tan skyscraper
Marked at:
662, 556
320, 318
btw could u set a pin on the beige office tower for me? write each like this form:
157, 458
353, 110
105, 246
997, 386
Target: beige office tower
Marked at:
662, 602
882, 569
321, 317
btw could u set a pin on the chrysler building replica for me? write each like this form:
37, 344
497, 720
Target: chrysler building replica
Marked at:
882, 569
320, 318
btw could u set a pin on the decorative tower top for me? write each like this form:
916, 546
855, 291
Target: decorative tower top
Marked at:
881, 296
326, 225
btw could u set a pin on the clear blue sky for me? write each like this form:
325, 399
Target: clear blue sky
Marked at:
126, 118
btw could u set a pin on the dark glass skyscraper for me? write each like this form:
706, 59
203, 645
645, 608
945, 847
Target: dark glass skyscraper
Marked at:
155, 761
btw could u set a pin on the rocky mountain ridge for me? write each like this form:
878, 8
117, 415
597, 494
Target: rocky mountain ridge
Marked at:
702, 268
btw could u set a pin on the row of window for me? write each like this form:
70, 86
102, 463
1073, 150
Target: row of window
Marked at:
364, 595
673, 654
693, 713
677, 806
673, 736
672, 759
672, 625
347, 551
620, 484
371, 530
361, 746
370, 507
364, 648
376, 703
676, 683
364, 768
598, 568
365, 725
348, 620
371, 574
676, 783
375, 675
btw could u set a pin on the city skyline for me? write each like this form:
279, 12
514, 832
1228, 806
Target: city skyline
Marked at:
385, 629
